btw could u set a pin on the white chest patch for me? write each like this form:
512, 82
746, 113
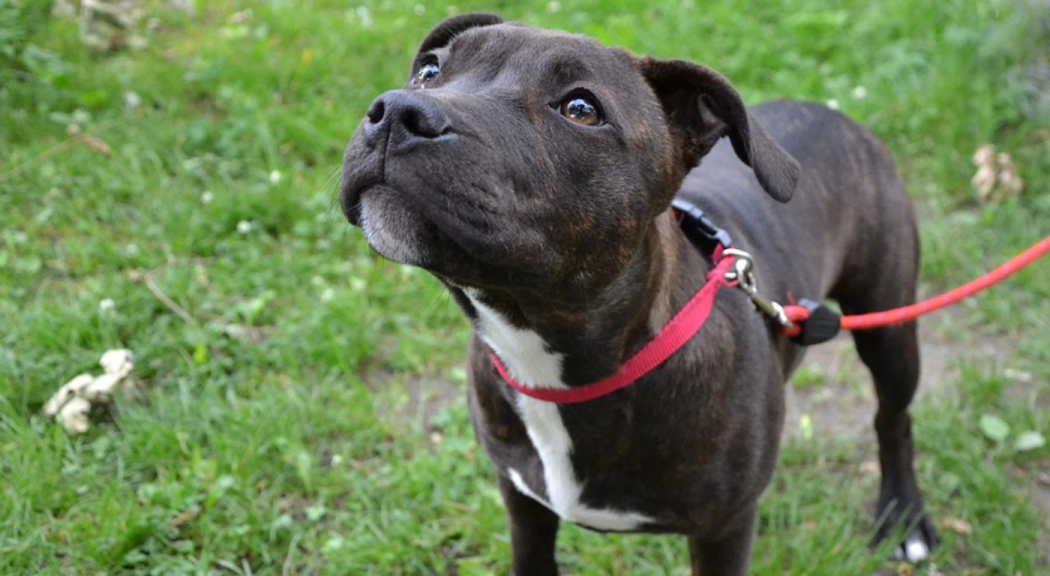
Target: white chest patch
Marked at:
527, 359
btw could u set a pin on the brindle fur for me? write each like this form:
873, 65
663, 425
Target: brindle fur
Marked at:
566, 231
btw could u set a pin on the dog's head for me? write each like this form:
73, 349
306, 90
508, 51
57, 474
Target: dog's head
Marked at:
535, 160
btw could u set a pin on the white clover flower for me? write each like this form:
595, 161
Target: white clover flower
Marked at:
106, 305
244, 227
327, 295
859, 93
833, 104
275, 176
132, 100
364, 16
207, 197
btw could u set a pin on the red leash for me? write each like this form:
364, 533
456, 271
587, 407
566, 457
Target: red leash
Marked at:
824, 323
799, 314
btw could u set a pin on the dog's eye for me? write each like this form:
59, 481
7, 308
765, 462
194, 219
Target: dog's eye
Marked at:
427, 72
581, 110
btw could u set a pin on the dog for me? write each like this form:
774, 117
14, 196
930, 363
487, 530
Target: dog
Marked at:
533, 172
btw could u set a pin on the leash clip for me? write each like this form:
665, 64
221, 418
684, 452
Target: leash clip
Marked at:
744, 276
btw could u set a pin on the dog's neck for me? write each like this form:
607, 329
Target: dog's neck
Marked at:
549, 343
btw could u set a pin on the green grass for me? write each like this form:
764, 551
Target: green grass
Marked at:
274, 433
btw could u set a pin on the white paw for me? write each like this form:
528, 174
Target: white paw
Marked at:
913, 550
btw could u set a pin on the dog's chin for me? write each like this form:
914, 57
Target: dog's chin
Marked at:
390, 229
401, 232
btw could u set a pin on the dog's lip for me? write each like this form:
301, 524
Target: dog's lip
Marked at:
353, 188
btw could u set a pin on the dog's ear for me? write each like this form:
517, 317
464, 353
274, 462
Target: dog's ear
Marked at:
702, 107
443, 33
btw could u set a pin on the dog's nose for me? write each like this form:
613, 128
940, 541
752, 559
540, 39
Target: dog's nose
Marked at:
405, 119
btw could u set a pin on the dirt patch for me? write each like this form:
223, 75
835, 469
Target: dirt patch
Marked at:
843, 403
419, 399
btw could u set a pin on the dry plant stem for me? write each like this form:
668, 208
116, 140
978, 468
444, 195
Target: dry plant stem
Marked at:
59, 148
179, 311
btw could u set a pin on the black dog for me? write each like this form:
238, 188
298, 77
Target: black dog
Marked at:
532, 172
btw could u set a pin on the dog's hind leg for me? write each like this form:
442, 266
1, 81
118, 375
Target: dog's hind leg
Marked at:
728, 556
892, 356
533, 532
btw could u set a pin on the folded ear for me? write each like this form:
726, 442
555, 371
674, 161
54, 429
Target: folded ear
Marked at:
704, 107
443, 33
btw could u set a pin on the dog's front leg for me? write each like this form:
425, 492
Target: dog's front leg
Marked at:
533, 531
730, 554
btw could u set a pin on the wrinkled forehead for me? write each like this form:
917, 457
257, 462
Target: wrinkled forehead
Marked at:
538, 55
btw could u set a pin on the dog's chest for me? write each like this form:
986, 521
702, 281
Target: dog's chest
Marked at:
549, 477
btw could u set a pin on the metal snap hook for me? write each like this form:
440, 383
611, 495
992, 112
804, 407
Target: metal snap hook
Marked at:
743, 273
743, 270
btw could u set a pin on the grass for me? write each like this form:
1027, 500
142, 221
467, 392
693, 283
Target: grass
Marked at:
274, 433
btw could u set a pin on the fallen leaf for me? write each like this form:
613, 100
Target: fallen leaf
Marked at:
66, 393
95, 144
187, 516
869, 468
101, 389
74, 415
958, 525
903, 569
994, 427
119, 361
1029, 441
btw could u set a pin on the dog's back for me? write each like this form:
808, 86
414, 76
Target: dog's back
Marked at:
850, 225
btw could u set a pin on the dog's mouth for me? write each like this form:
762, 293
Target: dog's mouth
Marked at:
417, 224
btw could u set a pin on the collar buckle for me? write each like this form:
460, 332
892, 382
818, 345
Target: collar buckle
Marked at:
698, 228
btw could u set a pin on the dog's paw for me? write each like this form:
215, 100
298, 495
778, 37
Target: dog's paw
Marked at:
918, 544
913, 550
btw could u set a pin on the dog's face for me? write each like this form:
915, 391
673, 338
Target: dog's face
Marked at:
528, 159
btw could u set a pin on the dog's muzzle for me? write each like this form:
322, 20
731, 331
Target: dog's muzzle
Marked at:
397, 123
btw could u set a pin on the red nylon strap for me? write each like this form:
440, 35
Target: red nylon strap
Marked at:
671, 338
799, 314
908, 313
